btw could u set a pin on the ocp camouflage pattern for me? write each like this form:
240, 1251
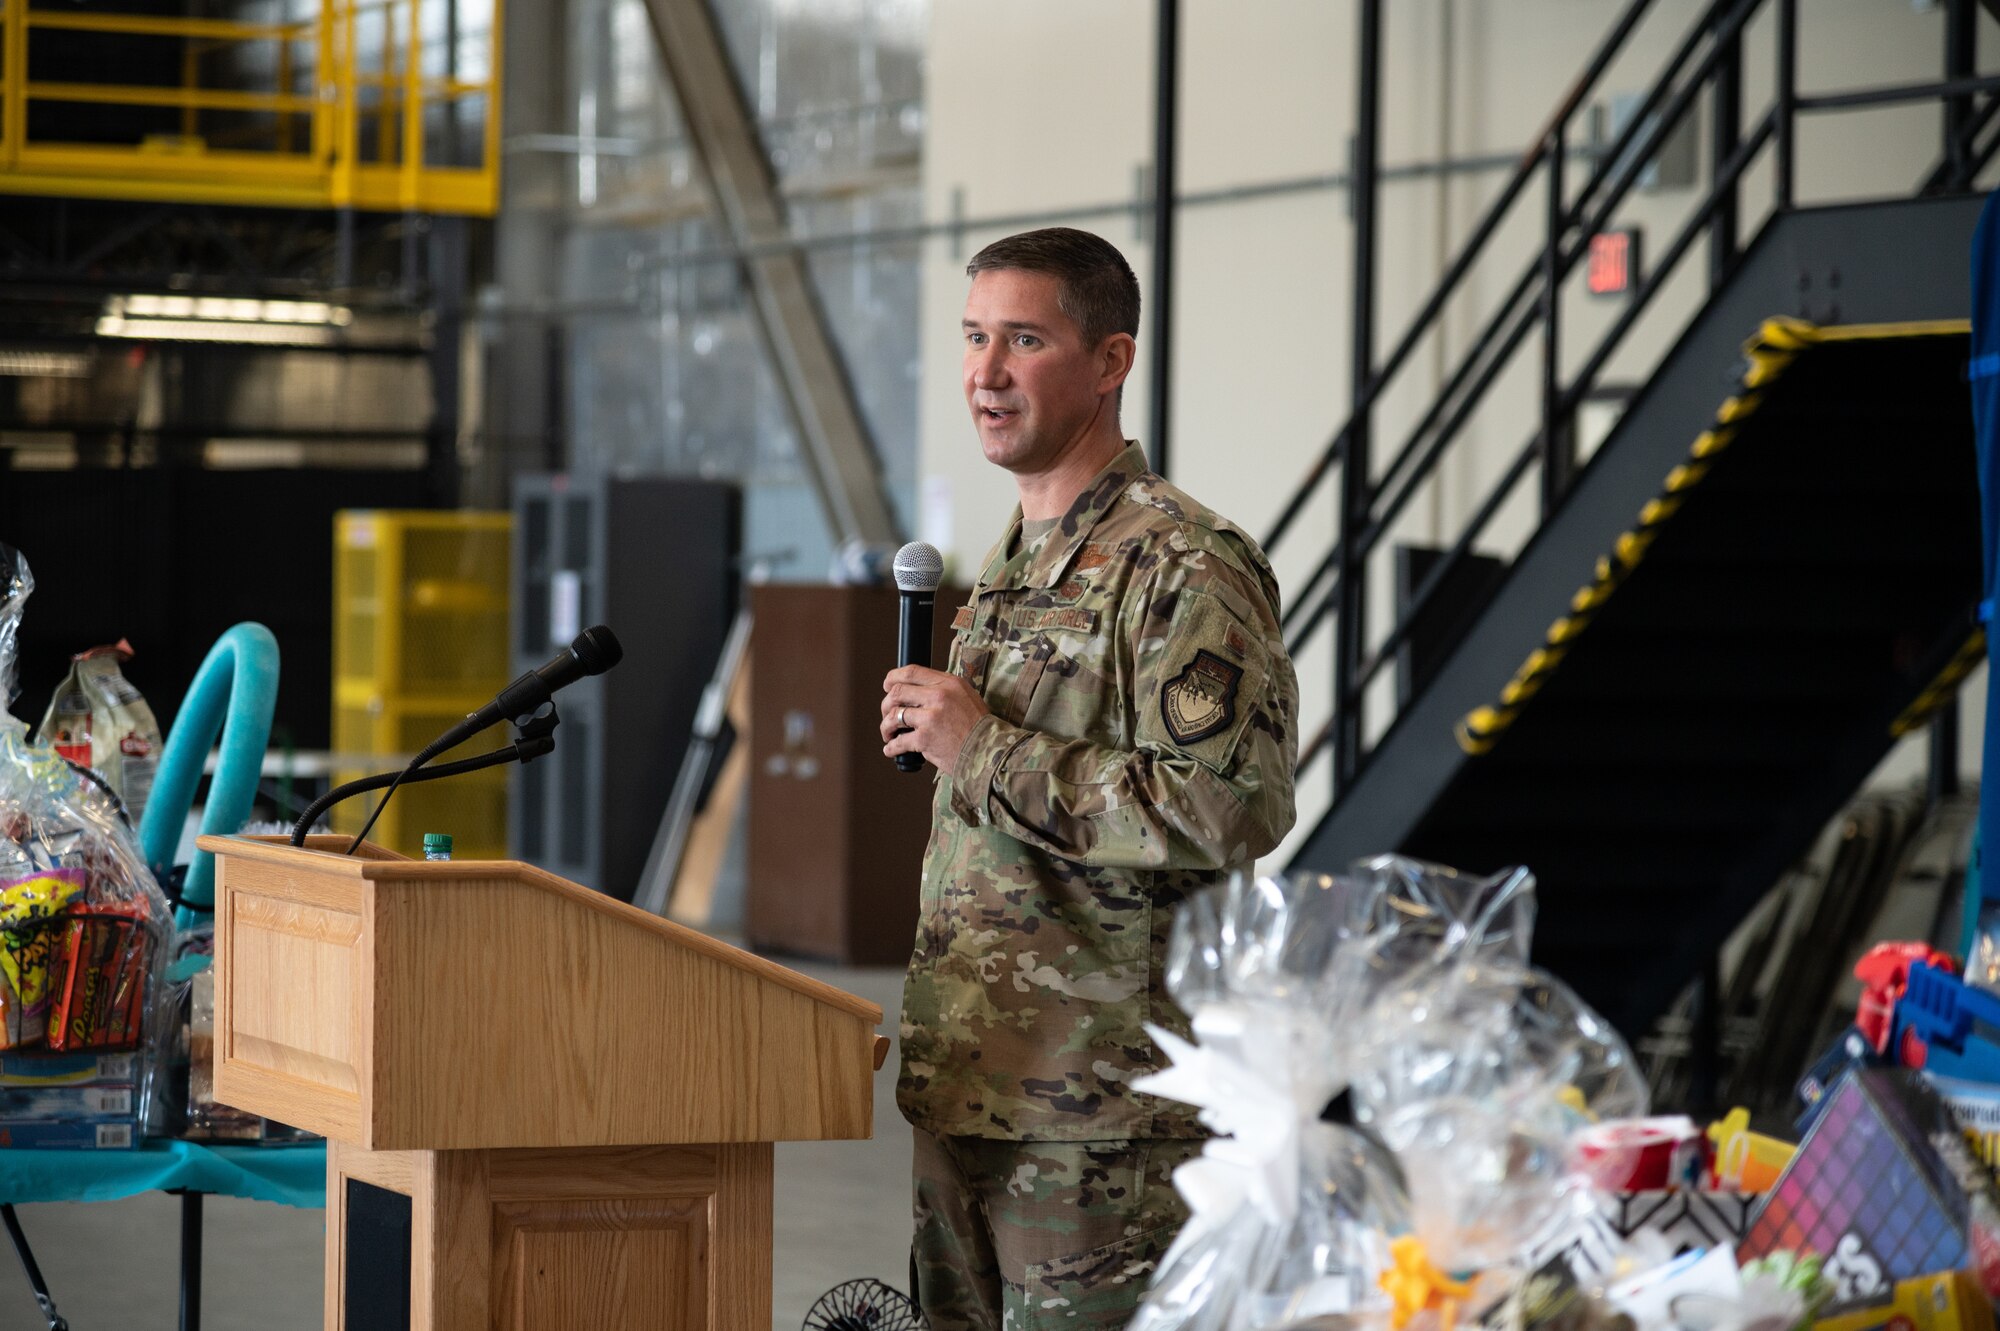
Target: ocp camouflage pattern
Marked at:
1023, 1236
1141, 745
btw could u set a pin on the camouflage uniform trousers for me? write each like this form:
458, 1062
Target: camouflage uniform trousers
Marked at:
1031, 1236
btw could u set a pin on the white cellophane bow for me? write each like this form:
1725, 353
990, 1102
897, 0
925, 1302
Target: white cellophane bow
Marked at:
1260, 1075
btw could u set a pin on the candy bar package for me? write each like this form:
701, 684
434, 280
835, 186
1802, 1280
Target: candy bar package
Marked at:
103, 964
32, 907
1398, 1001
83, 924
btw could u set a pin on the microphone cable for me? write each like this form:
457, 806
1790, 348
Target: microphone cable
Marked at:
430, 751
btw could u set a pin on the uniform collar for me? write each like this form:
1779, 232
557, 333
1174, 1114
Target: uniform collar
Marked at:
1044, 564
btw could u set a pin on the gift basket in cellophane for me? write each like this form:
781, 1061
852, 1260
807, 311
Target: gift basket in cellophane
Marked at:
83, 924
1411, 1124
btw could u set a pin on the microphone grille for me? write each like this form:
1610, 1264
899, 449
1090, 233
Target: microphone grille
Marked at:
598, 648
919, 567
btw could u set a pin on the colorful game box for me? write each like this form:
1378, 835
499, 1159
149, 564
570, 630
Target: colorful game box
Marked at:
1871, 1190
1947, 1301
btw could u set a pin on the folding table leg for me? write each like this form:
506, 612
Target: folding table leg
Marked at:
40, 1286
191, 1261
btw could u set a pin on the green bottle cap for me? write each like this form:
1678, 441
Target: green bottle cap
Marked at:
437, 841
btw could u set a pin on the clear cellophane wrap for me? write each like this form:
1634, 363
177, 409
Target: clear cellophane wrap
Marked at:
83, 924
1401, 995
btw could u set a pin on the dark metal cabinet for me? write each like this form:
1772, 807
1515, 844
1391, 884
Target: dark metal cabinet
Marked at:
654, 558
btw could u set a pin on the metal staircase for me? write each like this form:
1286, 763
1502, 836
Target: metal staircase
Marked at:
1702, 649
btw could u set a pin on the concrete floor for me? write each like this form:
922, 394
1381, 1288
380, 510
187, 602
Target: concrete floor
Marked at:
842, 1211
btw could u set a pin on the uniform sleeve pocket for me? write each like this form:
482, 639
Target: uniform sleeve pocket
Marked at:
1209, 675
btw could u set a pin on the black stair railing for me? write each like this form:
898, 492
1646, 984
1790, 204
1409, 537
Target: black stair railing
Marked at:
1706, 61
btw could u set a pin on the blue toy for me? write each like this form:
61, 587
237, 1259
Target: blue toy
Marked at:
234, 694
1947, 1026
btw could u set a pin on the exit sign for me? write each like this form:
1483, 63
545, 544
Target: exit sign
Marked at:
1614, 262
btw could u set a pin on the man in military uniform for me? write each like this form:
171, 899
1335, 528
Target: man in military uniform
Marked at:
1116, 730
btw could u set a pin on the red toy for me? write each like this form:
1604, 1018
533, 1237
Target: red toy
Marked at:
1884, 972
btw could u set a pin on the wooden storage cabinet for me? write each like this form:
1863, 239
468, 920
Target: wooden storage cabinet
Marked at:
837, 834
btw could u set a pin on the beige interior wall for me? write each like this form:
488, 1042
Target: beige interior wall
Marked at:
1040, 106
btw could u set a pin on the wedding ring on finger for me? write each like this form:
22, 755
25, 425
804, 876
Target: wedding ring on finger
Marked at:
902, 718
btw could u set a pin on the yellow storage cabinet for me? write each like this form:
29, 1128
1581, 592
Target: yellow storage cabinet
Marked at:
420, 639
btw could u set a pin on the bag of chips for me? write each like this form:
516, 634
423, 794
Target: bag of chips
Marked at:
98, 719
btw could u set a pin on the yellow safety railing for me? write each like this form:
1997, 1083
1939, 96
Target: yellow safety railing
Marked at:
352, 76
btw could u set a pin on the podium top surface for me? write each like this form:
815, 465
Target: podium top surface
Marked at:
374, 863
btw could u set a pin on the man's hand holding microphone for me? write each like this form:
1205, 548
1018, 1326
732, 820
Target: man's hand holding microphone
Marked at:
926, 713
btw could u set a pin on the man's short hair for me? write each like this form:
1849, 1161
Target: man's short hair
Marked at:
1094, 285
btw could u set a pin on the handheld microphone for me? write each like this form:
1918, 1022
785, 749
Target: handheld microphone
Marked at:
595, 651
919, 568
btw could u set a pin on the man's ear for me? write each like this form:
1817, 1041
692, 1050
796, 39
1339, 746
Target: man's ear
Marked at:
1115, 358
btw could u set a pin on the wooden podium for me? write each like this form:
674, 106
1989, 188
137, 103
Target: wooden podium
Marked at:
545, 1109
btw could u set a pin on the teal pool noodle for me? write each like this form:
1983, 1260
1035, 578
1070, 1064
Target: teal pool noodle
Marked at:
234, 695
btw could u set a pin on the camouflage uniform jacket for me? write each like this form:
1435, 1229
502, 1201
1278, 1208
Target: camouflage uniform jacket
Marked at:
1140, 746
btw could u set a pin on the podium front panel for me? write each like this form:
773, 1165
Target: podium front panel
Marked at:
290, 1003
668, 1239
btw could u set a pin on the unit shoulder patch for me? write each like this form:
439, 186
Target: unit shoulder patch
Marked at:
1201, 700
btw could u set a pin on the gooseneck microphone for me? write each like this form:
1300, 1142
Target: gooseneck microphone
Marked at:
594, 651
919, 568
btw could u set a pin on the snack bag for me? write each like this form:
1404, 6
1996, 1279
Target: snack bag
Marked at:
29, 943
98, 719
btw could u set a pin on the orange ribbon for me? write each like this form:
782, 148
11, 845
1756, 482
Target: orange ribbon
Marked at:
1414, 1284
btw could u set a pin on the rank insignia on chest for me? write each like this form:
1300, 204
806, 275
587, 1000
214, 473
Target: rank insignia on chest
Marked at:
1201, 700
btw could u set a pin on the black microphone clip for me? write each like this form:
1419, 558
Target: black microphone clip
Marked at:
534, 734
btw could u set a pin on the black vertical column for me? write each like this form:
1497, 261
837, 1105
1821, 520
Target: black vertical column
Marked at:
1944, 782
1961, 44
1354, 485
1787, 111
447, 284
191, 1261
1166, 97
1557, 456
1725, 135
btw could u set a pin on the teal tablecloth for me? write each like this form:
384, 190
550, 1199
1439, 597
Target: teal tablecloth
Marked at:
288, 1175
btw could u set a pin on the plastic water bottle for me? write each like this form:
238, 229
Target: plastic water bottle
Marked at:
437, 845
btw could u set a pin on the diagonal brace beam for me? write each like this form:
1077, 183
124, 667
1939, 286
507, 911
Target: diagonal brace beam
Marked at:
840, 457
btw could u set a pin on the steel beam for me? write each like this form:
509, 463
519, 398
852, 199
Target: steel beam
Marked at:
1166, 152
1356, 496
839, 457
